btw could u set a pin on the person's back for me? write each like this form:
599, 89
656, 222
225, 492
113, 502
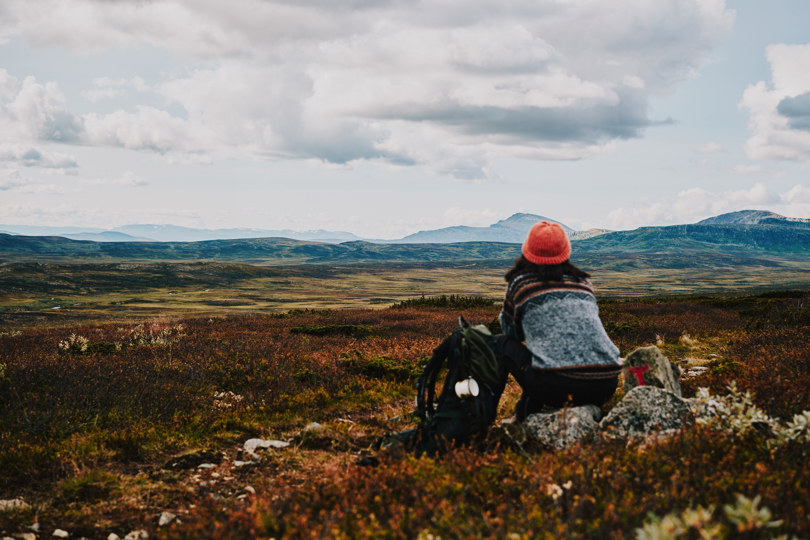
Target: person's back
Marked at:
559, 321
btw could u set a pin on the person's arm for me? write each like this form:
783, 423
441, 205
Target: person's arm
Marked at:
509, 327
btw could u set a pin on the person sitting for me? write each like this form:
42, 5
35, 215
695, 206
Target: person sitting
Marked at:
568, 358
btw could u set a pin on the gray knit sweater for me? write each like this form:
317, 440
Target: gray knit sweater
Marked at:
560, 324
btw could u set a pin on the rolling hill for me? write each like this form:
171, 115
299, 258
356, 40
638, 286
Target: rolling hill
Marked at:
787, 238
252, 251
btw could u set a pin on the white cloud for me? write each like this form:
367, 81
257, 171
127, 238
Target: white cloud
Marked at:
779, 115
28, 156
758, 194
11, 179
640, 214
127, 179
146, 129
746, 169
31, 111
405, 82
711, 148
474, 218
695, 204
107, 88
798, 194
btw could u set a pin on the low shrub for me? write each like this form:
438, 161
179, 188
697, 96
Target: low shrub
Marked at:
380, 367
444, 301
349, 330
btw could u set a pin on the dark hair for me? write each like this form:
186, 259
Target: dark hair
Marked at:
546, 272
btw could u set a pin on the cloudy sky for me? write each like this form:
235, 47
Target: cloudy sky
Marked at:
384, 117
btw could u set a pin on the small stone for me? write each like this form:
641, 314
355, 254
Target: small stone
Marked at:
694, 371
34, 526
644, 411
563, 428
251, 445
206, 466
250, 489
7, 505
137, 535
314, 428
240, 463
165, 518
60, 533
316, 436
26, 536
113, 536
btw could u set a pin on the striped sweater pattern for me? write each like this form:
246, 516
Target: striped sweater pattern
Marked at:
559, 321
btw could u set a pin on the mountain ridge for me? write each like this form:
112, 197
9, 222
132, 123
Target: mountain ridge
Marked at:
512, 229
747, 228
679, 244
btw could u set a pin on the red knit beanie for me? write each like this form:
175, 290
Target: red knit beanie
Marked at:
546, 243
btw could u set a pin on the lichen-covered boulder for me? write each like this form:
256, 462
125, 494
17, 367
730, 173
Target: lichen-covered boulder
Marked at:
563, 428
647, 366
645, 411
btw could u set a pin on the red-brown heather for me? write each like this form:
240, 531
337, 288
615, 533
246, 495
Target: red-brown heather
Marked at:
87, 426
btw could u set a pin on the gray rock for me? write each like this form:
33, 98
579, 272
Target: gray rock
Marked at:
7, 505
137, 535
644, 411
563, 428
316, 436
647, 366
61, 533
695, 371
165, 518
252, 445
314, 428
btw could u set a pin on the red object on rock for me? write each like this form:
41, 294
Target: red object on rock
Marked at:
638, 372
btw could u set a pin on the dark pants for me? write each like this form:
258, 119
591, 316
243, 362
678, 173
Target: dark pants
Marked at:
543, 388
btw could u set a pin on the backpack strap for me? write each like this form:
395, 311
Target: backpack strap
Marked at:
427, 382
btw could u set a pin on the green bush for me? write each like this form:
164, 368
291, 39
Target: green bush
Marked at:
349, 330
444, 301
379, 367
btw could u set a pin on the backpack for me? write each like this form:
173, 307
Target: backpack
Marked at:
469, 354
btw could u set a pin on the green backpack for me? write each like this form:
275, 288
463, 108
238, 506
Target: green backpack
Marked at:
468, 402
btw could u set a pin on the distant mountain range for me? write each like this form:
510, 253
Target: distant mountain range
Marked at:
739, 236
174, 233
510, 230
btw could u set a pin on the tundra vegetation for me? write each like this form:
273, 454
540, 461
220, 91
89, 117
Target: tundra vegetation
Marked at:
105, 421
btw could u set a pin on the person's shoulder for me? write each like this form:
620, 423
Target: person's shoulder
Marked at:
579, 283
520, 279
